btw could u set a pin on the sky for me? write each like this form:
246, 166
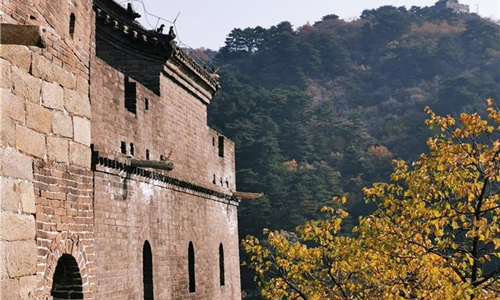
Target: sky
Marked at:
202, 23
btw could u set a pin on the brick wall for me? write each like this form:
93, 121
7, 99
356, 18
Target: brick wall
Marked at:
130, 209
174, 126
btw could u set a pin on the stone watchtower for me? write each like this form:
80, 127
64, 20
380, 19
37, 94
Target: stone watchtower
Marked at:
112, 184
453, 5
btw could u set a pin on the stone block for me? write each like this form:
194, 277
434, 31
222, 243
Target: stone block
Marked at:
81, 130
52, 96
77, 103
7, 132
15, 164
26, 85
62, 124
27, 197
38, 118
10, 194
30, 142
5, 74
82, 84
79, 154
57, 149
19, 56
21, 258
27, 287
16, 227
3, 262
65, 78
9, 289
43, 68
12, 106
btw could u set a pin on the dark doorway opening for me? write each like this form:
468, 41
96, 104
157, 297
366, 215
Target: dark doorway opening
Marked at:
67, 281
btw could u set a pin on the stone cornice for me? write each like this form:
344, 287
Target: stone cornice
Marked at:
100, 163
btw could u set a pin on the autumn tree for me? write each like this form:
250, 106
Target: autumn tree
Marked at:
435, 234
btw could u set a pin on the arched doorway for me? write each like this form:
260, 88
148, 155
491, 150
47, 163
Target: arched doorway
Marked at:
67, 281
147, 271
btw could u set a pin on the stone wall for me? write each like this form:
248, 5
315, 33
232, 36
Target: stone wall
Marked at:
45, 205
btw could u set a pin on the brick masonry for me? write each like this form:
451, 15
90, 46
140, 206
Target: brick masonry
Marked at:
60, 102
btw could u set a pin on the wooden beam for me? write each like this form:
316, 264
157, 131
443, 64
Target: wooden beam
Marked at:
162, 165
248, 196
27, 35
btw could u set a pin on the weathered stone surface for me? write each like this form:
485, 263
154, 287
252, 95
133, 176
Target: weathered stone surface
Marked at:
79, 154
5, 74
57, 149
30, 141
19, 56
27, 197
52, 96
17, 195
15, 164
77, 103
81, 129
10, 194
82, 84
3, 262
26, 85
62, 124
7, 132
21, 258
38, 118
12, 106
9, 289
16, 227
43, 68
27, 287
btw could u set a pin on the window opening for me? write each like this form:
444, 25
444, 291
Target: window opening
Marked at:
222, 276
147, 154
123, 148
147, 271
72, 20
191, 268
221, 146
132, 149
130, 95
146, 104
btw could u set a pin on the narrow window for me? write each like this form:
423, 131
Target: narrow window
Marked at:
162, 158
213, 141
72, 20
221, 146
214, 181
132, 149
123, 148
146, 104
192, 279
147, 154
222, 276
130, 95
147, 271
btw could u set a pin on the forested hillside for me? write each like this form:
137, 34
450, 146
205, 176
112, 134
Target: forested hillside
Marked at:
321, 110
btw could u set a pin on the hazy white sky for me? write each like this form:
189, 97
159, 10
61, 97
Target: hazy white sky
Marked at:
204, 23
